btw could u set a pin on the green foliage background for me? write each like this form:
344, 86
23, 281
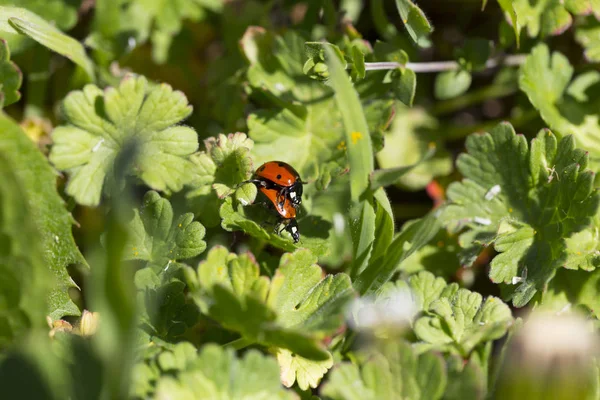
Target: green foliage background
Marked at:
450, 150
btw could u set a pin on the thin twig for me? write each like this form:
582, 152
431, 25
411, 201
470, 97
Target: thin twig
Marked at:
438, 66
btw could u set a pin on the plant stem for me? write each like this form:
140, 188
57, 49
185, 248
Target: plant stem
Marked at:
238, 344
437, 66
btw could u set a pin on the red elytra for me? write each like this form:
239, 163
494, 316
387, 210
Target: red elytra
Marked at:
285, 209
281, 176
278, 172
282, 205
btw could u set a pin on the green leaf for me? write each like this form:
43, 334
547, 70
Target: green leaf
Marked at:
316, 66
465, 381
358, 139
166, 313
461, 322
222, 167
24, 285
542, 17
10, 77
569, 109
100, 123
157, 238
408, 142
293, 311
427, 288
25, 22
384, 223
218, 373
523, 200
586, 35
308, 373
360, 156
394, 372
404, 81
412, 238
259, 222
62, 13
142, 20
163, 21
440, 256
358, 64
303, 299
362, 220
48, 210
450, 84
299, 123
416, 22
508, 7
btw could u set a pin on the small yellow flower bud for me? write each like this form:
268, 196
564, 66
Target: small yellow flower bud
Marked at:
88, 323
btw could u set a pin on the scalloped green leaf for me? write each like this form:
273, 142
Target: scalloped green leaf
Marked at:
214, 373
587, 35
101, 123
10, 77
396, 371
299, 124
461, 322
526, 200
48, 210
544, 17
159, 22
221, 168
166, 312
159, 238
293, 311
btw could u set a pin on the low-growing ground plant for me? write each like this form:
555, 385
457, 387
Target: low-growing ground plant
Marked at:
446, 244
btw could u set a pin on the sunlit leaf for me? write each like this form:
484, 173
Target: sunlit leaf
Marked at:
527, 201
48, 210
158, 238
100, 123
10, 77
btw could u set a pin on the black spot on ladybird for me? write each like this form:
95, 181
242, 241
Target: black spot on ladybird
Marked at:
279, 176
262, 168
280, 164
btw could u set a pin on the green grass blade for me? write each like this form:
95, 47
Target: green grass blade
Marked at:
358, 139
27, 23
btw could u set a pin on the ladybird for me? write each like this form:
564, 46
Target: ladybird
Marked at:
286, 211
282, 176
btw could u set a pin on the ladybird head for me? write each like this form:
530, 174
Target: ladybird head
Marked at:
295, 194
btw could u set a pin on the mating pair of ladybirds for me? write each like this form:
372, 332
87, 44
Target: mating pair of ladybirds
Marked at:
282, 186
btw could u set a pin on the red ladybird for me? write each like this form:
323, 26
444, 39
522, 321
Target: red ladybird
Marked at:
282, 177
285, 209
